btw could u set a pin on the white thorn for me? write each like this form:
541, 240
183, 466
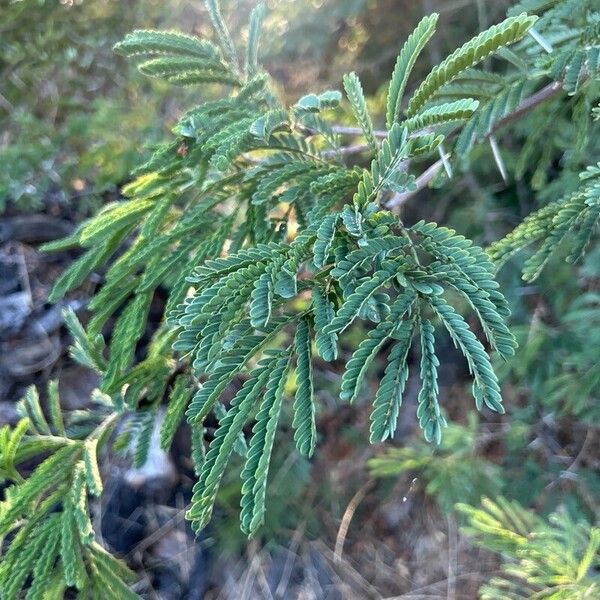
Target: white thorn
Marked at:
541, 40
498, 157
445, 161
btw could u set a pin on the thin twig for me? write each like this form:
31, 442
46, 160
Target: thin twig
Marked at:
345, 524
533, 101
452, 557
572, 468
289, 561
429, 586
360, 148
157, 534
342, 130
546, 93
344, 571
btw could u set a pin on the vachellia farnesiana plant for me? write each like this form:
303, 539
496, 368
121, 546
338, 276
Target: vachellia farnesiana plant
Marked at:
269, 248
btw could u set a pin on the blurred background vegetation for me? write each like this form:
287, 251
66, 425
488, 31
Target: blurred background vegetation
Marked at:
63, 89
361, 521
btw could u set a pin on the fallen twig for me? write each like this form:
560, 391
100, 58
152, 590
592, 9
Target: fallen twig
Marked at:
345, 523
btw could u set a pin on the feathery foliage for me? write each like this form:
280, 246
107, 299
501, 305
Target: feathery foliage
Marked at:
404, 64
359, 107
468, 55
556, 559
269, 249
570, 223
45, 523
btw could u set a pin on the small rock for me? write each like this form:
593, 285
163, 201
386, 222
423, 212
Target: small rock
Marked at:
14, 309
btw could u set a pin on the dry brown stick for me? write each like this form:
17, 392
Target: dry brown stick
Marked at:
348, 514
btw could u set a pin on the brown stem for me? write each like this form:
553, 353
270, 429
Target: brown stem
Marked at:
546, 93
533, 101
342, 130
421, 182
